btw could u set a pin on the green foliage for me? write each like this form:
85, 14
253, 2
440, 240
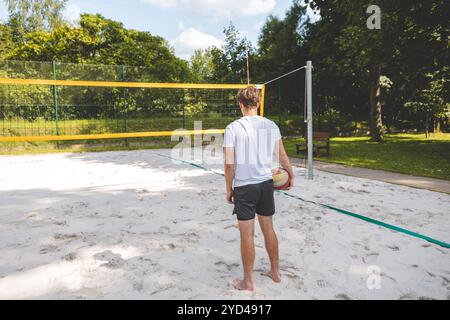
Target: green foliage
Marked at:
404, 153
35, 15
406, 61
229, 61
7, 44
202, 66
432, 99
102, 41
194, 108
282, 44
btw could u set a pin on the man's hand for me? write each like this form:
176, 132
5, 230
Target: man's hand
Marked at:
291, 181
230, 196
285, 163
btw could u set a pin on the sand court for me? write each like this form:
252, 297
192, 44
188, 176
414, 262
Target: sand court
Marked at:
135, 225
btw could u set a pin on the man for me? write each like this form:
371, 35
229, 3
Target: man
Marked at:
249, 146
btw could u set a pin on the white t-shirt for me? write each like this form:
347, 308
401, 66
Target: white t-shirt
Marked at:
254, 139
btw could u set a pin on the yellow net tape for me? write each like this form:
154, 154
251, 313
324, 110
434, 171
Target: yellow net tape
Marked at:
75, 83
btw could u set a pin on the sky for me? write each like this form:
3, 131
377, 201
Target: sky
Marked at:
186, 24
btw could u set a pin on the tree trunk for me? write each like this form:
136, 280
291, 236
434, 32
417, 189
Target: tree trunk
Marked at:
375, 107
437, 125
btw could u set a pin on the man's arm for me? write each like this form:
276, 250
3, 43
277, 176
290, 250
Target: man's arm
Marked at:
285, 163
229, 172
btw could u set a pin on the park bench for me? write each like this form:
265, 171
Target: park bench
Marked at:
321, 141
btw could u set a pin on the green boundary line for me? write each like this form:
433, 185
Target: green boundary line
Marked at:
349, 213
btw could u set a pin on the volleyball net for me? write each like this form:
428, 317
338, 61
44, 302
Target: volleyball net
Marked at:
47, 101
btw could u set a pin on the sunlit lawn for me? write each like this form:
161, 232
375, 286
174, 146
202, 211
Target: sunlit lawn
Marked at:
405, 153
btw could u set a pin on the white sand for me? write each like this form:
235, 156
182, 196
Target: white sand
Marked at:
135, 225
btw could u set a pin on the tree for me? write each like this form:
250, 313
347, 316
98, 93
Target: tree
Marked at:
103, 41
432, 101
35, 15
202, 66
7, 44
230, 60
358, 53
282, 42
282, 48
409, 44
97, 49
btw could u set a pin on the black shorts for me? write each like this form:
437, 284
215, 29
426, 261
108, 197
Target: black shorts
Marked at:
254, 198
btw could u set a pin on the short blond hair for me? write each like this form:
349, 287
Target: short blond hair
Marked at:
249, 97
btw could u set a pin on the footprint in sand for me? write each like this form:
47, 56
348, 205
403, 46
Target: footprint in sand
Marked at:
64, 237
113, 260
70, 257
191, 237
322, 283
170, 246
387, 276
164, 229
408, 296
342, 296
228, 266
32, 216
394, 248
59, 222
48, 248
370, 258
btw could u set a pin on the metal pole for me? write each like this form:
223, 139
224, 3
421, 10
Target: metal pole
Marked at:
184, 108
55, 101
248, 70
124, 97
309, 118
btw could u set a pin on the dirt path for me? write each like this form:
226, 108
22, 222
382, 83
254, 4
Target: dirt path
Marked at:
431, 184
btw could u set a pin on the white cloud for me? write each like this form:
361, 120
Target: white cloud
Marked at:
192, 39
222, 9
72, 13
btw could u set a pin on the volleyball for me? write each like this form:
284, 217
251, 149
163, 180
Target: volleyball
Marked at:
280, 179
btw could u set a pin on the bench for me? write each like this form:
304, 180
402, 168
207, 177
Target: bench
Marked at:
323, 143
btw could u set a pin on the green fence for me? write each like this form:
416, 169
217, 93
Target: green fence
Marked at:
30, 110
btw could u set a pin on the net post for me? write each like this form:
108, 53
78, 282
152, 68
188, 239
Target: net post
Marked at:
124, 97
309, 118
261, 104
55, 100
184, 108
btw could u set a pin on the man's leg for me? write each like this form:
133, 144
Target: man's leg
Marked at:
271, 243
247, 231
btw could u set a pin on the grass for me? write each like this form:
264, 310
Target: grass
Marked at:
404, 153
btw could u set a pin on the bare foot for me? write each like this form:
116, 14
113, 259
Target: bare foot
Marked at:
242, 285
274, 275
